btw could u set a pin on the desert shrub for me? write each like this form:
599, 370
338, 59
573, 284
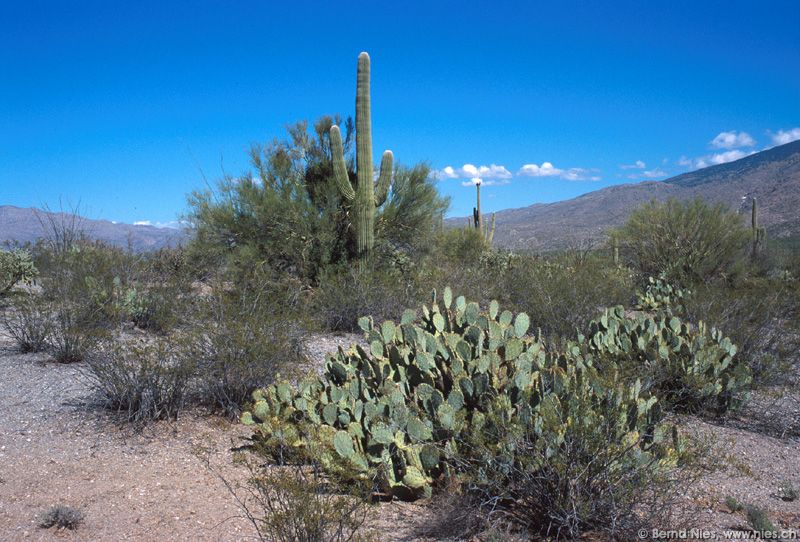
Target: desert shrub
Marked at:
733, 504
561, 298
29, 322
76, 329
758, 316
460, 246
141, 380
15, 266
298, 505
786, 491
687, 241
243, 337
582, 465
344, 294
758, 519
61, 517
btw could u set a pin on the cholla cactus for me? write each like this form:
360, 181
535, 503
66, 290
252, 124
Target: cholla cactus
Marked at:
365, 196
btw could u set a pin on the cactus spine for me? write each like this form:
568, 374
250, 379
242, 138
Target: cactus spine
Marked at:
759, 233
365, 196
477, 218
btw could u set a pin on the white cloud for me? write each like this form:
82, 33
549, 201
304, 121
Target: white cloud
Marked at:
732, 140
785, 136
486, 175
727, 156
636, 165
713, 159
547, 169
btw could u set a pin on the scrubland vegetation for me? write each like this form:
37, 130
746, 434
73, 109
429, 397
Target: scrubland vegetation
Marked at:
543, 392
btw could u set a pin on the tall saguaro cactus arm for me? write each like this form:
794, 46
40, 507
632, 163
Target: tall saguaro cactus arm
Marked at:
339, 166
385, 178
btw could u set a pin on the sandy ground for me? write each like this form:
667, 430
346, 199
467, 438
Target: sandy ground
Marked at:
153, 485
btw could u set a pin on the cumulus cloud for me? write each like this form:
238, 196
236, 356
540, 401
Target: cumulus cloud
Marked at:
713, 159
638, 164
782, 137
732, 140
547, 169
486, 175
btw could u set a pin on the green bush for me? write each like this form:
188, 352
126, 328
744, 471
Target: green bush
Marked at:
686, 241
760, 316
15, 266
290, 215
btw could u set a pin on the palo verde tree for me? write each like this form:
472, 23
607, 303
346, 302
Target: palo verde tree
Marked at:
294, 213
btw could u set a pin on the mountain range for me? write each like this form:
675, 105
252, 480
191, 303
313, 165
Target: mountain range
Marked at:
772, 176
19, 226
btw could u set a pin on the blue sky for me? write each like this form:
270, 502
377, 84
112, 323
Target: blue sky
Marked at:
126, 107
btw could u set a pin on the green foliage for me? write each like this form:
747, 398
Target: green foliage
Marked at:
397, 410
16, 266
310, 207
687, 241
344, 294
558, 295
761, 318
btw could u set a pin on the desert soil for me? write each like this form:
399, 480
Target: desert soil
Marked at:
163, 483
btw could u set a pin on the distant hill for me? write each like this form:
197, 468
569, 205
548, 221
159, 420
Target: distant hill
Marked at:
26, 225
772, 176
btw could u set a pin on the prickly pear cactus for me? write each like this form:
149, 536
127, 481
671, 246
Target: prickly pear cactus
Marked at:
689, 367
397, 410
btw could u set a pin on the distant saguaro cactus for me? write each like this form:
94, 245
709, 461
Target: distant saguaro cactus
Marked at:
365, 196
477, 217
759, 233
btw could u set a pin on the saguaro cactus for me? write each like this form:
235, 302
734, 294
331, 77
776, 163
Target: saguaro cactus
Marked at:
759, 233
477, 218
365, 196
